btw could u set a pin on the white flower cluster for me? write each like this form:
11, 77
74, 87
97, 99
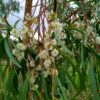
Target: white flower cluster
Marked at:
97, 40
23, 30
79, 25
56, 26
46, 53
21, 33
87, 28
89, 31
18, 51
77, 35
49, 53
20, 46
14, 33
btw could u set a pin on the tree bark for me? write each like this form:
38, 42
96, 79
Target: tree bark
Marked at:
28, 8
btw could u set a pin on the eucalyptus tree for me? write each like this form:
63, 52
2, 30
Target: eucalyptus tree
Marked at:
63, 62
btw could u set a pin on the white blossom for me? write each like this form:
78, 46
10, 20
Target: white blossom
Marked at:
56, 26
14, 33
93, 21
43, 54
20, 46
14, 51
19, 55
89, 30
54, 42
47, 63
46, 73
77, 35
97, 40
23, 30
48, 46
54, 53
77, 24
39, 68
32, 63
62, 35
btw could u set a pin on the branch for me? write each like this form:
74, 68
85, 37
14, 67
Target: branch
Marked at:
55, 5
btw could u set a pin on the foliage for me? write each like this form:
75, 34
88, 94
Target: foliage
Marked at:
62, 64
6, 8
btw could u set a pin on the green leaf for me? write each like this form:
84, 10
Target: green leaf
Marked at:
96, 1
70, 60
82, 57
45, 88
38, 93
9, 86
9, 53
64, 95
70, 78
23, 90
16, 23
93, 83
1, 48
73, 82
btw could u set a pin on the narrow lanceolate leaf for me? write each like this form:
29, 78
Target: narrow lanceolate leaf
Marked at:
9, 53
23, 90
39, 95
73, 82
93, 83
16, 23
64, 96
82, 57
45, 88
